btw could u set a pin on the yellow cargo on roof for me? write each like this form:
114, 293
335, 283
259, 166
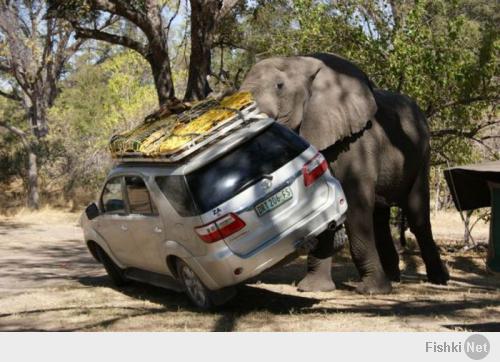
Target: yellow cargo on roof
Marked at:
168, 135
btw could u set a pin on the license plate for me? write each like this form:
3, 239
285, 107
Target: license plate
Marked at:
274, 201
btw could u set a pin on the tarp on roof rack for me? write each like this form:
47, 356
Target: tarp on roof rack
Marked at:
172, 134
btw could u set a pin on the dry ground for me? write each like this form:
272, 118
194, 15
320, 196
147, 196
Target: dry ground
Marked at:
48, 281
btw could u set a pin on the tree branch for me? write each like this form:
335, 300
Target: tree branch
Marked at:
452, 132
18, 132
111, 38
5, 68
13, 96
492, 151
64, 52
487, 124
461, 133
226, 7
431, 111
9, 24
121, 8
172, 18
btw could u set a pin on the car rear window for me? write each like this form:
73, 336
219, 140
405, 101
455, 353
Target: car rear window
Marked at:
218, 181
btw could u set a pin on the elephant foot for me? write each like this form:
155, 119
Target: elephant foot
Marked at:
380, 285
312, 283
438, 275
319, 276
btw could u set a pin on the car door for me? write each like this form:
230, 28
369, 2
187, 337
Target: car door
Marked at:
113, 224
145, 224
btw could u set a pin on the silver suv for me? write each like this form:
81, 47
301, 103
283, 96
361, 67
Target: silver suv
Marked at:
224, 215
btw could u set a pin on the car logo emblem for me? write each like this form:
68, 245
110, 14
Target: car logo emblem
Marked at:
266, 184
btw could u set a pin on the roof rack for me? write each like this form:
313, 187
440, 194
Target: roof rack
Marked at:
241, 118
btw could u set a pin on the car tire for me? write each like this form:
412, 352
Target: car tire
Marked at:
196, 291
114, 272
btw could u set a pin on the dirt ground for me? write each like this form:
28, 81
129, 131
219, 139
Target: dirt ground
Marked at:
49, 282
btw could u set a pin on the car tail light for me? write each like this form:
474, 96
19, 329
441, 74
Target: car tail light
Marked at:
314, 168
220, 228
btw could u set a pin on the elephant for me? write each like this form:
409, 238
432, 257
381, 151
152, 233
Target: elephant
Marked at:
377, 145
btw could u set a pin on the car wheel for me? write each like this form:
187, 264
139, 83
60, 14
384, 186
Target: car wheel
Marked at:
200, 295
114, 272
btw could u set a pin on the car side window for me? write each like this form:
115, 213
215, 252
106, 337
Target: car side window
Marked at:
176, 191
139, 199
112, 197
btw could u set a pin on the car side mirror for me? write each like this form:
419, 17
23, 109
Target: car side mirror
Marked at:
92, 211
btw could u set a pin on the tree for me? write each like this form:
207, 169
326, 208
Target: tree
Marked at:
33, 53
206, 15
96, 101
94, 19
155, 22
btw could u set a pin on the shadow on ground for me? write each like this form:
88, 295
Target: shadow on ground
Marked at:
53, 262
254, 299
7, 226
475, 327
249, 299
471, 302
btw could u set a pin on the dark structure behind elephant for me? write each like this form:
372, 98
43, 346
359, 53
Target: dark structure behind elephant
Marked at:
377, 144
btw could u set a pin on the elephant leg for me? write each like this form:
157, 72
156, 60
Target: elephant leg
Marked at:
319, 265
418, 215
363, 249
385, 244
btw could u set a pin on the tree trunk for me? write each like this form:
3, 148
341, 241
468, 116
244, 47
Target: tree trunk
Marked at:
162, 74
202, 32
468, 215
32, 166
33, 197
38, 116
437, 200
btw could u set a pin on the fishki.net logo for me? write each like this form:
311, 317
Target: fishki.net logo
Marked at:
476, 347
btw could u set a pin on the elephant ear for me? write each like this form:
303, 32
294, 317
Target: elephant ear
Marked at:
341, 102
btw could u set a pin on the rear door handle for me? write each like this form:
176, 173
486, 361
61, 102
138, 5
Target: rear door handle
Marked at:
124, 227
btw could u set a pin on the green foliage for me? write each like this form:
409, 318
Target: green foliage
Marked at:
97, 101
12, 157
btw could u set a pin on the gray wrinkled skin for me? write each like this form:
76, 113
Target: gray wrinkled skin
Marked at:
377, 144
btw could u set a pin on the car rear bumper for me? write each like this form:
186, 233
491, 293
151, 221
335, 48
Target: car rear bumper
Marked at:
221, 267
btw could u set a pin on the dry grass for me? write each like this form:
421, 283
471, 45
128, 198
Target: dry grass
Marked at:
48, 281
46, 214
447, 225
13, 199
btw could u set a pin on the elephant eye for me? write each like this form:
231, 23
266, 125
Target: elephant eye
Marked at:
279, 85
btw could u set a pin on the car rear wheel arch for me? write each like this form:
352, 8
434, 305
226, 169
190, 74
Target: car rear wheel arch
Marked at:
115, 273
92, 246
172, 261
